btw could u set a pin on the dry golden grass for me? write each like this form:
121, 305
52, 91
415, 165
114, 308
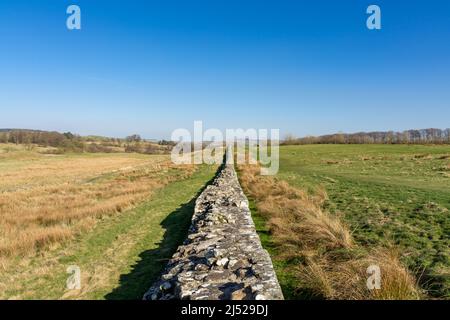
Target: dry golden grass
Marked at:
331, 265
47, 200
294, 215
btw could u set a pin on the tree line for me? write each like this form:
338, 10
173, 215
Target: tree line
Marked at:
69, 142
422, 136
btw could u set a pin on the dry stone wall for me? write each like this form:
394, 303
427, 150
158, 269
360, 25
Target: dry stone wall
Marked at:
222, 257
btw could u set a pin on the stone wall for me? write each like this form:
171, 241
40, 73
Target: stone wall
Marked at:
222, 257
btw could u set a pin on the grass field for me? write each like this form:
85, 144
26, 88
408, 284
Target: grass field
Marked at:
387, 195
331, 211
116, 216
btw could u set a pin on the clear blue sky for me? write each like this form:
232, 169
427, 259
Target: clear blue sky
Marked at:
149, 67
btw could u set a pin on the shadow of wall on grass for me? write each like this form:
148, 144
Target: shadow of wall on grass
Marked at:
133, 285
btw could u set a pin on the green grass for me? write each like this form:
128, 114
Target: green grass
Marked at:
123, 254
285, 279
388, 194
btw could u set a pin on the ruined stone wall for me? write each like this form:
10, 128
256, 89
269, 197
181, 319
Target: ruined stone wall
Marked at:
222, 257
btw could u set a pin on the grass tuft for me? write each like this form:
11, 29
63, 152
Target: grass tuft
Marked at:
317, 247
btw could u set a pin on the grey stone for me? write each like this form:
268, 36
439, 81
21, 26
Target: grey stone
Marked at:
222, 262
222, 257
165, 286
